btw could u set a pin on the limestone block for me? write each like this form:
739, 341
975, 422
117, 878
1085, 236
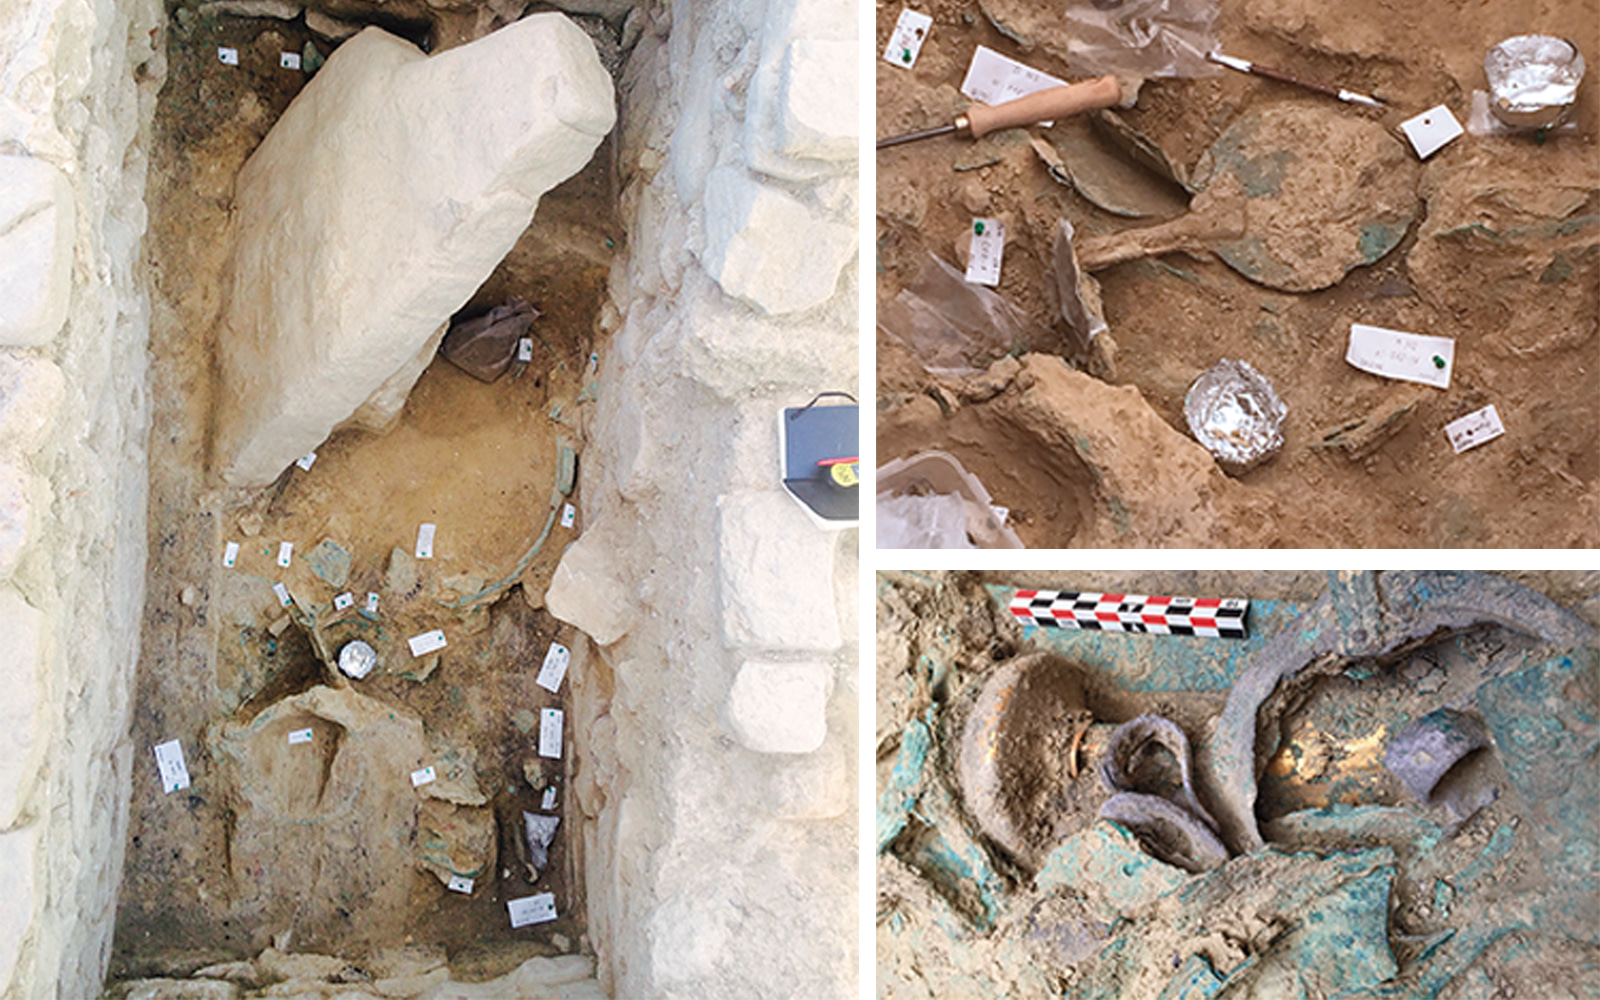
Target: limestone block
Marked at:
31, 390
767, 248
589, 588
775, 574
22, 736
568, 977
778, 707
13, 518
38, 222
813, 787
377, 205
800, 120
182, 989
17, 850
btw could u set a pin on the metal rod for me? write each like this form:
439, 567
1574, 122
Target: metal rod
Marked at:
914, 136
1339, 93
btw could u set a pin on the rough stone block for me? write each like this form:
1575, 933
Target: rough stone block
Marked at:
22, 737
182, 989
816, 117
38, 222
31, 390
589, 590
16, 888
377, 205
13, 518
778, 707
813, 787
767, 248
775, 570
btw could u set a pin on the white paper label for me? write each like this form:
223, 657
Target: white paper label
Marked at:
459, 883
1431, 131
343, 601
299, 736
594, 362
1000, 513
425, 540
427, 642
289, 60
555, 667
994, 79
988, 243
283, 594
422, 777
1410, 357
309, 458
372, 604
905, 43
525, 349
548, 802
569, 516
230, 554
532, 909
550, 720
1474, 429
174, 772
229, 56
285, 553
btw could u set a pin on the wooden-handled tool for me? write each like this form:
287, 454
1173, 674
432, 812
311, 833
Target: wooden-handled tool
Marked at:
1040, 106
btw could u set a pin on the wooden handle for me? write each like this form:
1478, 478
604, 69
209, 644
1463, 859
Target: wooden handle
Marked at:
1044, 106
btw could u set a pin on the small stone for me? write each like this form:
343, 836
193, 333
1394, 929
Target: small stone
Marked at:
277, 9
331, 28
188, 596
330, 561
532, 770
779, 707
279, 626
250, 524
525, 721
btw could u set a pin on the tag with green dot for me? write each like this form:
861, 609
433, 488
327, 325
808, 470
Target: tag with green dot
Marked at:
905, 43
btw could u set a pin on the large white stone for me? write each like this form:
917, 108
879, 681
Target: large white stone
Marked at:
38, 222
780, 707
589, 589
378, 204
775, 571
801, 121
22, 738
31, 390
13, 518
769, 249
16, 888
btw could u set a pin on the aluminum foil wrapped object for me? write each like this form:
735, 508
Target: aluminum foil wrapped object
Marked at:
1236, 414
357, 659
1533, 80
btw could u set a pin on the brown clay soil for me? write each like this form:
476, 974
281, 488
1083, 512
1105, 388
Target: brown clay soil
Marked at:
1503, 255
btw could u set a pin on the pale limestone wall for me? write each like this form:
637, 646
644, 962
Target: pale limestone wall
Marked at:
717, 702
77, 90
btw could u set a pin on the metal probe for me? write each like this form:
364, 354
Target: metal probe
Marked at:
1348, 96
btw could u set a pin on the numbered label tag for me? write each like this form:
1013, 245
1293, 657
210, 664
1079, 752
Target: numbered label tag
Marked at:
1410, 357
1474, 429
569, 516
988, 243
174, 772
283, 594
422, 777
289, 60
343, 601
532, 909
555, 667
550, 721
425, 540
459, 883
427, 642
905, 42
994, 79
372, 604
228, 56
285, 554
230, 554
1431, 131
310, 458
548, 802
299, 736
525, 349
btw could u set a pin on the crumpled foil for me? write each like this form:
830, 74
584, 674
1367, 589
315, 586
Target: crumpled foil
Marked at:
1236, 414
1533, 79
357, 659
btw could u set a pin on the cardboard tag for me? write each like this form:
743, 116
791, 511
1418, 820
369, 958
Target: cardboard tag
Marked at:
425, 540
343, 601
1410, 357
372, 604
988, 243
532, 909
459, 883
309, 459
289, 60
230, 554
174, 772
283, 594
594, 362
285, 554
1474, 429
548, 802
994, 79
299, 736
555, 667
905, 42
228, 56
525, 349
569, 516
427, 642
1000, 513
422, 777
1431, 131
550, 720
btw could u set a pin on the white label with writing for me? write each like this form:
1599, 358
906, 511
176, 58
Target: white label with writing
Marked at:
569, 516
905, 43
1474, 429
425, 540
427, 642
230, 554
285, 553
1431, 131
174, 772
459, 883
289, 60
548, 802
994, 79
299, 736
229, 56
555, 667
532, 909
282, 592
1410, 357
550, 720
423, 776
988, 243
343, 601
307, 460
372, 603
525, 349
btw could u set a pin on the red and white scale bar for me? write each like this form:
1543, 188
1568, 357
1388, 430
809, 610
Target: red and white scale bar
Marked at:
1209, 617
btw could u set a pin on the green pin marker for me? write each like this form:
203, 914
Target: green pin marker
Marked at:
1438, 362
977, 228
905, 55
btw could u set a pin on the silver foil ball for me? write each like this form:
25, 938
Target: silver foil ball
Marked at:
1533, 80
1234, 412
357, 659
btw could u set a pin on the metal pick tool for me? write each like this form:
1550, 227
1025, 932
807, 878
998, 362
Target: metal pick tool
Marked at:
1040, 106
1348, 96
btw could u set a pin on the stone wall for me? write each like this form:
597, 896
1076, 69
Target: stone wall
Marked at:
78, 80
718, 700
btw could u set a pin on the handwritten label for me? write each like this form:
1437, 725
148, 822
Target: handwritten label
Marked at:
372, 604
905, 42
994, 79
228, 56
569, 516
422, 777
1474, 429
309, 459
230, 554
299, 736
427, 642
285, 553
1410, 357
548, 802
525, 349
289, 60
1431, 131
554, 668
425, 540
550, 721
988, 243
283, 594
459, 883
343, 601
174, 772
532, 909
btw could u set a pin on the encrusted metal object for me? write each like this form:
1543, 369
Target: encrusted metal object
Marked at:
1533, 80
1236, 414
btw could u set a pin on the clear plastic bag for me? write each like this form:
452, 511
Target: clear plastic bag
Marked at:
1129, 38
935, 521
952, 327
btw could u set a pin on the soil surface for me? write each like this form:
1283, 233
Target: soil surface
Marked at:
478, 460
1493, 241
